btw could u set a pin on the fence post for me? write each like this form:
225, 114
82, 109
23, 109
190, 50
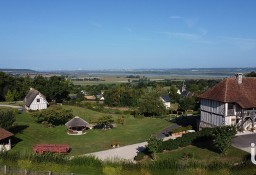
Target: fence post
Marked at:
5, 169
50, 173
72, 173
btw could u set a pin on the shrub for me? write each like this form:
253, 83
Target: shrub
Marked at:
139, 156
7, 117
54, 115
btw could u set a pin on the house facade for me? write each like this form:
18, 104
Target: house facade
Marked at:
230, 102
166, 101
35, 100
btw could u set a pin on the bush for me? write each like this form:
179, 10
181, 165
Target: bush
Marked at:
139, 156
7, 117
54, 115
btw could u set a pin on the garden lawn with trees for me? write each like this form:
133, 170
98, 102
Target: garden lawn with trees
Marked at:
134, 130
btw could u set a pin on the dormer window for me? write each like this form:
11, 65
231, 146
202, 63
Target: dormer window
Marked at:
38, 100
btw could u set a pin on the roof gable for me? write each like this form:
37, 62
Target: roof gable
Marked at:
5, 134
228, 90
166, 98
76, 122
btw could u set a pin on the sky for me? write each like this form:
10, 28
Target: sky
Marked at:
127, 34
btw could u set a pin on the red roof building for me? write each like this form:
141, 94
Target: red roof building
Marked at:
5, 141
228, 102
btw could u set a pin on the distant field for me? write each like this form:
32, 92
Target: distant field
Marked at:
134, 131
113, 79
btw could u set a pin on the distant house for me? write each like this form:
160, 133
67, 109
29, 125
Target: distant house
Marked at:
100, 97
230, 102
183, 91
35, 100
166, 101
5, 140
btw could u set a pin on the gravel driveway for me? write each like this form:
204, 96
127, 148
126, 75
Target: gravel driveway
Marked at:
125, 152
243, 142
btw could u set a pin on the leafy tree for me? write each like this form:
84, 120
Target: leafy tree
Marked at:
251, 74
54, 115
173, 94
153, 145
187, 103
7, 117
222, 137
58, 88
150, 104
9, 96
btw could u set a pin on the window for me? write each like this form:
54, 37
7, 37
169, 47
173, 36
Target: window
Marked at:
38, 100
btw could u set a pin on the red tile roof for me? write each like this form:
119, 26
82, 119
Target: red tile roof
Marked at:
228, 90
4, 134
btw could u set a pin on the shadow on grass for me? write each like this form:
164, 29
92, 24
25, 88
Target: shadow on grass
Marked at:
15, 140
205, 143
18, 129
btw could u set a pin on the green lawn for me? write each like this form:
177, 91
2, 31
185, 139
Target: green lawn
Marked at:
134, 131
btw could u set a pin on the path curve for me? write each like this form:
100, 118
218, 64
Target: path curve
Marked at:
122, 153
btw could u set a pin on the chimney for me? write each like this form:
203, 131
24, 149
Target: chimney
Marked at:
239, 78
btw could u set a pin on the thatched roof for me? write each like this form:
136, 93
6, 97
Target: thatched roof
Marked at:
4, 134
76, 122
31, 96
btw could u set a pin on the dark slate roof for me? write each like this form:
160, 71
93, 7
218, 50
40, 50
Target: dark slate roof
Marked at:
166, 98
76, 122
4, 134
31, 96
228, 90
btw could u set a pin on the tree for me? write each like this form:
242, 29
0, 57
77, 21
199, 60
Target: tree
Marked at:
186, 103
9, 96
173, 94
150, 104
58, 88
251, 74
54, 115
153, 144
222, 137
7, 117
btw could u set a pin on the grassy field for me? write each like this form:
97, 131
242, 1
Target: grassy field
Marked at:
134, 131
204, 155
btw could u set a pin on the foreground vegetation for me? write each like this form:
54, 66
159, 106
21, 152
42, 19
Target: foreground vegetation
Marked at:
173, 163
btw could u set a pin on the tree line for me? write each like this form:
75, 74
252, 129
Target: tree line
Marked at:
55, 88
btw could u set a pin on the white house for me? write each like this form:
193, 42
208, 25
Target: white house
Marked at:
166, 101
5, 141
35, 100
230, 102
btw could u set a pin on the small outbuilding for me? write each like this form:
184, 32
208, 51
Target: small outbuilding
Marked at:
5, 140
166, 101
77, 126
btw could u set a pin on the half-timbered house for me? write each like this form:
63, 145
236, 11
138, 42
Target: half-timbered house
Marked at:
34, 100
230, 102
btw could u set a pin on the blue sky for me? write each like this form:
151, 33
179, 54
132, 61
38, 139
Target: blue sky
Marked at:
127, 34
